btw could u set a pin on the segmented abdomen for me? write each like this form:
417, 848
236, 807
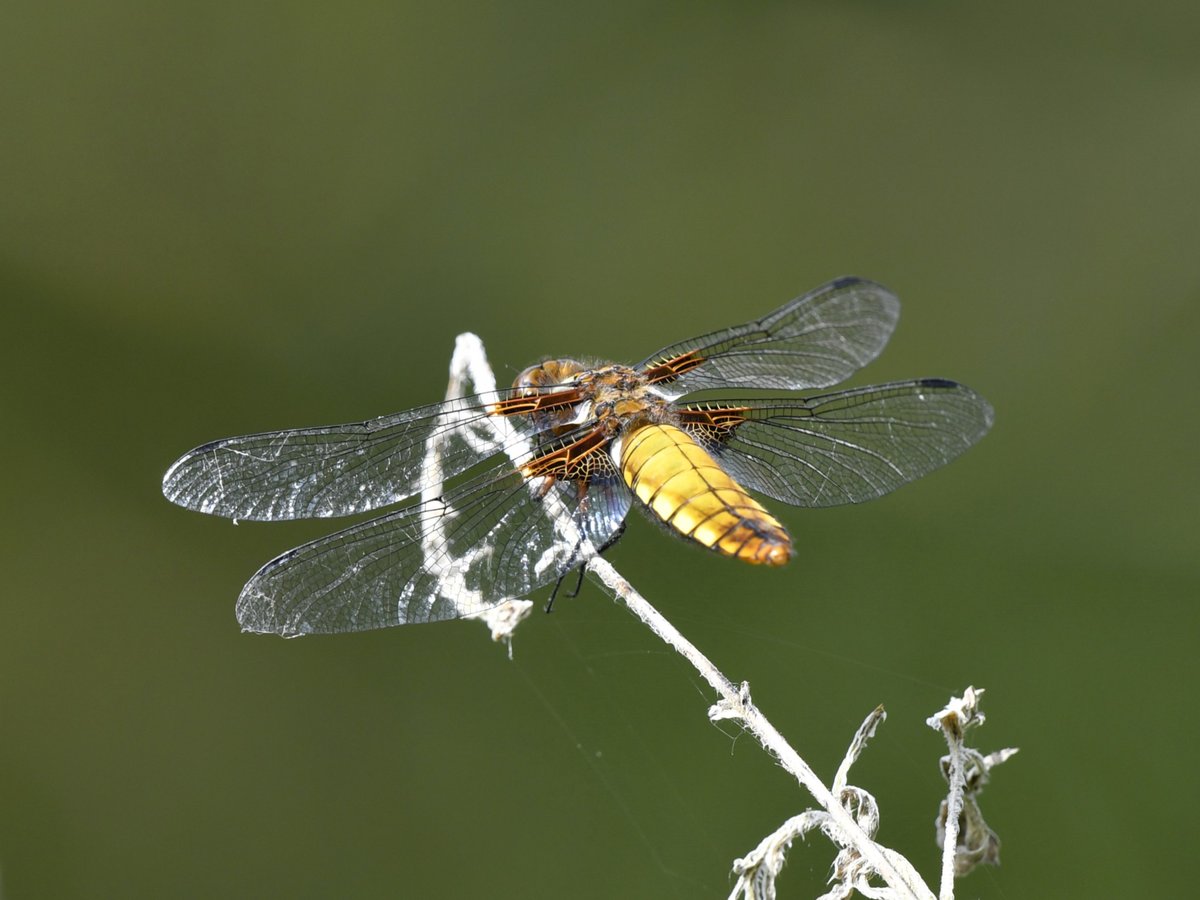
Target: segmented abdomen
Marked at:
686, 488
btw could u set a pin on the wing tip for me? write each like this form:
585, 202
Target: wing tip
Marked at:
181, 475
286, 635
169, 488
257, 614
942, 384
844, 281
985, 410
889, 302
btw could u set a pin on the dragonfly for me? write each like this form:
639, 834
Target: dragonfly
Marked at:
511, 490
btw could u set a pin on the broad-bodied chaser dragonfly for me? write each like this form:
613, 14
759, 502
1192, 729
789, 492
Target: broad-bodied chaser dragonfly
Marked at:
577, 443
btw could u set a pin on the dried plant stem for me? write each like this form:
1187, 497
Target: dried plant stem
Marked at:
954, 808
736, 703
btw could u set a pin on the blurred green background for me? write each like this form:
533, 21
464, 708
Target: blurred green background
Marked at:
219, 218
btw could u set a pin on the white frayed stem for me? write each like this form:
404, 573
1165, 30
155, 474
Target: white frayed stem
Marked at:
736, 704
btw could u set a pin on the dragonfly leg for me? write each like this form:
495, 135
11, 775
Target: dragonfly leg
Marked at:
581, 568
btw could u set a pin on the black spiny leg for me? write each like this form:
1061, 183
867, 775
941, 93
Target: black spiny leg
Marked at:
581, 568
558, 584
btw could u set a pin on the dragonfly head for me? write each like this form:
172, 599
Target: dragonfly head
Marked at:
547, 375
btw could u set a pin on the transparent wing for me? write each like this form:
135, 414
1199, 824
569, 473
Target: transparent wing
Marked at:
848, 446
491, 539
814, 341
339, 470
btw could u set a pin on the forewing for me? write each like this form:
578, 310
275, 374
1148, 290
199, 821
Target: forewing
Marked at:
844, 447
486, 541
340, 470
814, 341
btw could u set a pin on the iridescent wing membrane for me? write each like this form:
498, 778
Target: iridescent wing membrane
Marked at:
453, 553
844, 447
815, 341
511, 529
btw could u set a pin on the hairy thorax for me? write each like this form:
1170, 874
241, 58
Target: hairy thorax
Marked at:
617, 397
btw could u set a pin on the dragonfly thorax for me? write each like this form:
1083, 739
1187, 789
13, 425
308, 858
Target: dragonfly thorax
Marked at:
622, 398
617, 397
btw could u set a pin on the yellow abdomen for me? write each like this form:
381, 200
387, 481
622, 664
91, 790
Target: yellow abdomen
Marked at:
686, 488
